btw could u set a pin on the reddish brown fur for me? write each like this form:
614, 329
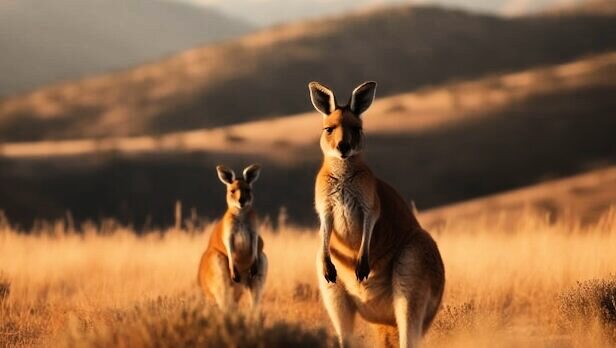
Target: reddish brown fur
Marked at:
396, 227
237, 228
376, 259
216, 248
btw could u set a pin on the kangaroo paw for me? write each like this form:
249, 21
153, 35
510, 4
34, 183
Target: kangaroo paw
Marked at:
329, 270
235, 275
254, 269
362, 269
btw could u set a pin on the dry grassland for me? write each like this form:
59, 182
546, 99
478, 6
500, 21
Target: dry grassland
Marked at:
508, 284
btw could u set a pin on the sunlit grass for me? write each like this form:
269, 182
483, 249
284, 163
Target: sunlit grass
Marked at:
506, 283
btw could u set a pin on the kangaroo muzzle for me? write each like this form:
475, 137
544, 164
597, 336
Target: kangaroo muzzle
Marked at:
344, 148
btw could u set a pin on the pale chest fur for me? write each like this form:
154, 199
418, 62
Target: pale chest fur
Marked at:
241, 233
346, 203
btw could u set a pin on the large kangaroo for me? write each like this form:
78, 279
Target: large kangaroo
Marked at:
375, 259
234, 260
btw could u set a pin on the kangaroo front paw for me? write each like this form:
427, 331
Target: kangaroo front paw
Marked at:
329, 270
254, 269
235, 275
362, 269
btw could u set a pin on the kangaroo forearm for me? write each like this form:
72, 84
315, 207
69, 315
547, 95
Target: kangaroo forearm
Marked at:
326, 234
329, 270
230, 261
229, 248
325, 240
255, 247
368, 227
326, 222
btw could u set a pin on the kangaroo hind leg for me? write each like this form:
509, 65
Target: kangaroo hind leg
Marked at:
258, 281
411, 296
339, 306
219, 281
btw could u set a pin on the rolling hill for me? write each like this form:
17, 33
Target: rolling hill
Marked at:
263, 75
45, 42
438, 146
269, 12
587, 7
586, 196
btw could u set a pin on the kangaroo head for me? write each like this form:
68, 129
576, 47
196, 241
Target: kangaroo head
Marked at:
342, 135
239, 190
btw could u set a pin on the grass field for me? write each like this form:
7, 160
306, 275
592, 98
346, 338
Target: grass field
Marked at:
507, 284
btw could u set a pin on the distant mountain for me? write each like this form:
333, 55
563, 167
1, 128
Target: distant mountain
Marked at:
265, 74
271, 12
586, 7
268, 12
49, 41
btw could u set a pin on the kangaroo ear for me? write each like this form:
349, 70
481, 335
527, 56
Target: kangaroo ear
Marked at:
225, 174
362, 97
251, 173
322, 98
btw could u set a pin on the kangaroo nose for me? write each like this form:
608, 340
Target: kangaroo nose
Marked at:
344, 148
242, 201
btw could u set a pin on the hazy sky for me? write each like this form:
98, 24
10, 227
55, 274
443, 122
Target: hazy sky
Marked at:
264, 12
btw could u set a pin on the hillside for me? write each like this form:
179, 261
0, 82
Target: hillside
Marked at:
429, 109
438, 146
586, 197
264, 74
271, 12
587, 7
45, 42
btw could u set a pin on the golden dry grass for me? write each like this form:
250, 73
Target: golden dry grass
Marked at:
505, 285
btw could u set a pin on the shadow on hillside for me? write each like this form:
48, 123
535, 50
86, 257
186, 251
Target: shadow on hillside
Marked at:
403, 49
521, 144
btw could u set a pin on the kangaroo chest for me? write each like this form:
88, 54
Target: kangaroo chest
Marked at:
242, 234
346, 204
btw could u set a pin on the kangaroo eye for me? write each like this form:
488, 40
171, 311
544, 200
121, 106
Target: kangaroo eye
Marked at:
329, 130
232, 191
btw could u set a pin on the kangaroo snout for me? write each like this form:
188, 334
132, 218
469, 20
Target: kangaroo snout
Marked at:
242, 201
344, 148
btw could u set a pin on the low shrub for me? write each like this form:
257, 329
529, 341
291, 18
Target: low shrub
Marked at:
457, 317
589, 302
176, 323
5, 287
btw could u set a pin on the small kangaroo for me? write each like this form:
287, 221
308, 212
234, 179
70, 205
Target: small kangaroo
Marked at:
234, 260
375, 259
